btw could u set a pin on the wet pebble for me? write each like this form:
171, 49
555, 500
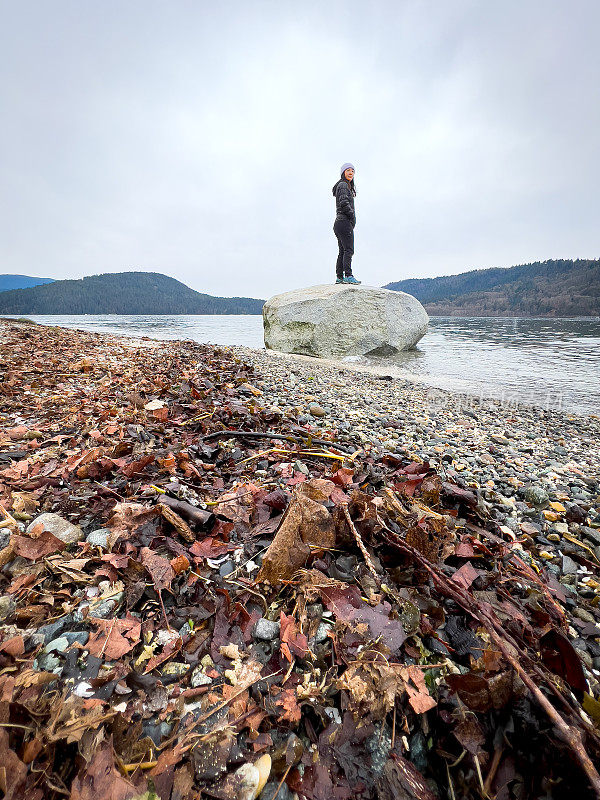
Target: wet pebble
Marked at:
199, 678
7, 607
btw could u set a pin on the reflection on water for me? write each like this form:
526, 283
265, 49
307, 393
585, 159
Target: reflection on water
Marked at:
213, 329
554, 363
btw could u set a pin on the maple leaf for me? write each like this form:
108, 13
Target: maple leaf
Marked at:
101, 779
37, 545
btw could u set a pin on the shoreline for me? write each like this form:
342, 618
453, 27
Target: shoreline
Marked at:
427, 399
370, 398
443, 391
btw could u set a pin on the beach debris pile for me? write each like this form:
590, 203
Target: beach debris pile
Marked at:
200, 598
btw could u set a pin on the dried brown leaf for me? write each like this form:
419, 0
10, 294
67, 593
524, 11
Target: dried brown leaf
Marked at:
37, 545
159, 568
101, 779
114, 637
305, 525
13, 772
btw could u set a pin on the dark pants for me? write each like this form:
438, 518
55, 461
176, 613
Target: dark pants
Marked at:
344, 231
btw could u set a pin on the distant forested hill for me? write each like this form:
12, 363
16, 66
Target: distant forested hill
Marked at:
122, 293
20, 282
561, 288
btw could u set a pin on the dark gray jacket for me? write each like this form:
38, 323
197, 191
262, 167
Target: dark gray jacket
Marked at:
344, 201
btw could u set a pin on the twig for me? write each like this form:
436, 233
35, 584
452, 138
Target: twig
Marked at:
309, 453
168, 512
308, 439
493, 768
480, 777
162, 605
110, 630
280, 784
7, 516
16, 725
141, 765
215, 710
224, 502
450, 784
196, 515
108, 489
360, 542
251, 591
459, 759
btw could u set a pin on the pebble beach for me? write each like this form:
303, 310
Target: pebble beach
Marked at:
156, 497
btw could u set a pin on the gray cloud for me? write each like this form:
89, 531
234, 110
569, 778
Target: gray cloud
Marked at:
202, 141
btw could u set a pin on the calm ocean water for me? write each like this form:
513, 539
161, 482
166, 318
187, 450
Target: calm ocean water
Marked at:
553, 363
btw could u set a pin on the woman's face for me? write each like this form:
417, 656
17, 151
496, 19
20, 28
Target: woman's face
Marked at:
349, 174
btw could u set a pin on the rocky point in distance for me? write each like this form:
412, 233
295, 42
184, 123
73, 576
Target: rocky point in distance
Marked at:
337, 320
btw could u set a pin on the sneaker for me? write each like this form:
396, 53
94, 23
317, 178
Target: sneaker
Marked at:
339, 280
351, 279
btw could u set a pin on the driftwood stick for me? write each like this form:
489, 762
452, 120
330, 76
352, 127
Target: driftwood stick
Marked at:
268, 435
197, 515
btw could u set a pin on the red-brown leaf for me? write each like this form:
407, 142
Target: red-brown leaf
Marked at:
159, 568
291, 640
114, 637
465, 576
33, 549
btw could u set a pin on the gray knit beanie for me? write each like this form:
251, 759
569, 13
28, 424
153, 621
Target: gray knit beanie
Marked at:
345, 167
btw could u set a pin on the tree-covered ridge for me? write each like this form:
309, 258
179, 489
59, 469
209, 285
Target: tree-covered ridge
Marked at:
122, 293
8, 282
554, 288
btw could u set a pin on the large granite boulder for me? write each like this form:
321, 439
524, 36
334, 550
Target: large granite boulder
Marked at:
337, 320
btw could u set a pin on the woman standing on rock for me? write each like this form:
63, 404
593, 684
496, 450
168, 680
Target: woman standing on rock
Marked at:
345, 220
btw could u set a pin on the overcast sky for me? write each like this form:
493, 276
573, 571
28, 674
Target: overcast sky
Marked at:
202, 139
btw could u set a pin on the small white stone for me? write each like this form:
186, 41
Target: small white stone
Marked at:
199, 678
333, 714
84, 689
247, 779
154, 405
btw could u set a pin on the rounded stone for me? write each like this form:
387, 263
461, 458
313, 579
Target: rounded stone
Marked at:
59, 527
7, 607
266, 630
98, 538
536, 495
